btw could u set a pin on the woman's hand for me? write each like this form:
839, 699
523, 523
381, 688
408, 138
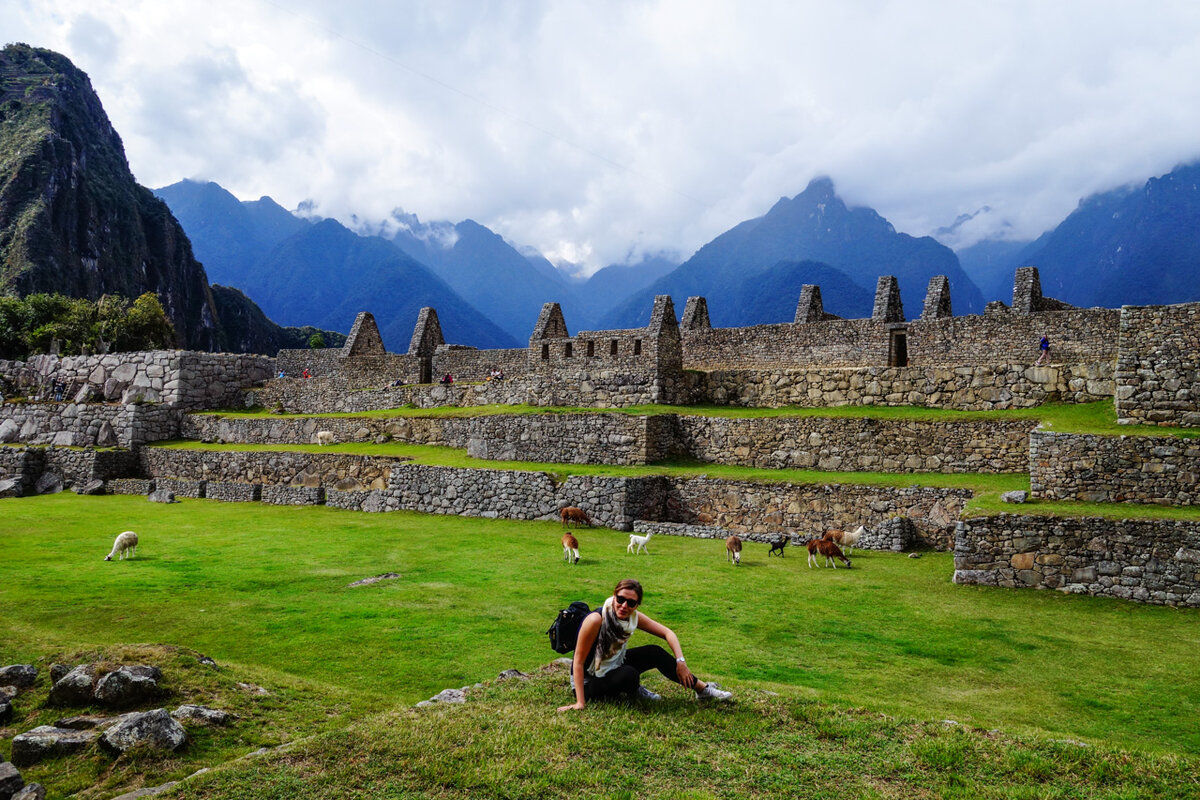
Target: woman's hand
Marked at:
686, 678
576, 706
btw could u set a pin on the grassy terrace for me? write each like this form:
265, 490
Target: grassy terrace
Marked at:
1099, 418
865, 663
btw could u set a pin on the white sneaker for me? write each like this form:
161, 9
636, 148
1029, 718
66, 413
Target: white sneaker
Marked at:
646, 694
711, 692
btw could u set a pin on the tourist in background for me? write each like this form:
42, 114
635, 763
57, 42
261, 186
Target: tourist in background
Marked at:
1044, 345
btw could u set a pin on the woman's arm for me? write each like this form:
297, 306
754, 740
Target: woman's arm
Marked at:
588, 632
663, 632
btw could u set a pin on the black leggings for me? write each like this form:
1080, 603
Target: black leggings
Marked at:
626, 678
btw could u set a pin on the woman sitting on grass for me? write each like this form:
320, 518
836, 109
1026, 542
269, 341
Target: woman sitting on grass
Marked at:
603, 667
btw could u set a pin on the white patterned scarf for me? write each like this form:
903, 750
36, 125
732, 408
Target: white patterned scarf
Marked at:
610, 642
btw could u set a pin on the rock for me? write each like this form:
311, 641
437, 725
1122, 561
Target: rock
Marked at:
445, 696
84, 395
49, 483
57, 671
106, 436
9, 431
10, 488
201, 715
387, 576
123, 688
509, 674
155, 728
74, 688
32, 791
161, 496
205, 660
46, 741
22, 676
1014, 497
251, 688
86, 722
6, 711
7, 693
10, 780
91, 487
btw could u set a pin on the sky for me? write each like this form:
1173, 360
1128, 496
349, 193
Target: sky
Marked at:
603, 132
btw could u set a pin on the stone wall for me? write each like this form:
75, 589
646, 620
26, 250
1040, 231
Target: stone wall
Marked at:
969, 388
1005, 336
1115, 469
87, 424
309, 470
469, 364
1150, 561
75, 467
894, 534
374, 370
849, 444
1158, 366
833, 343
810, 509
176, 378
573, 438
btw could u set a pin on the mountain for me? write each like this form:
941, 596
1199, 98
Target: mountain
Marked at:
610, 286
489, 273
992, 264
226, 233
72, 218
325, 274
814, 226
1135, 246
261, 248
247, 329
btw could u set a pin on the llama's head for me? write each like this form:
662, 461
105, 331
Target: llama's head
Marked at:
108, 557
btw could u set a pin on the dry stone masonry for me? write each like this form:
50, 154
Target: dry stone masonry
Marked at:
1115, 469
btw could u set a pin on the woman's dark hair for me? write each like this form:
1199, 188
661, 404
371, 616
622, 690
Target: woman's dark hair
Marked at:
629, 583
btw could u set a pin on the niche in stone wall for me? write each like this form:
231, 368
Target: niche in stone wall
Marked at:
637, 347
612, 349
545, 352
568, 350
591, 351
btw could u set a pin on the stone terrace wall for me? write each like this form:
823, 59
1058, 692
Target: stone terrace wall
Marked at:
970, 388
177, 378
1158, 367
1115, 469
469, 364
442, 431
76, 467
572, 438
1151, 561
1004, 336
359, 371
87, 424
322, 395
834, 343
811, 509
880, 445
311, 470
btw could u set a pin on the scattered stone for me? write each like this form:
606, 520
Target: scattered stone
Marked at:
161, 496
387, 576
49, 483
10, 488
7, 693
22, 676
91, 487
914, 555
32, 791
74, 688
201, 715
563, 662
57, 671
10, 780
86, 722
46, 741
155, 728
949, 722
508, 674
451, 696
206, 661
251, 688
1014, 497
126, 687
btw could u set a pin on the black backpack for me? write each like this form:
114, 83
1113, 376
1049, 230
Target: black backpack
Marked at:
565, 629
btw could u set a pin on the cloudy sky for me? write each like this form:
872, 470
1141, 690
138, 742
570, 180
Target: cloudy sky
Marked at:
600, 131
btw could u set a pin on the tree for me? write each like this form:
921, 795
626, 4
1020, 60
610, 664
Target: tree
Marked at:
316, 341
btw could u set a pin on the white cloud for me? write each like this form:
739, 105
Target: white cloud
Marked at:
592, 131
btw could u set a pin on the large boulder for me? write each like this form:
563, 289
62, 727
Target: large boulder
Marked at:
32, 791
91, 487
9, 431
11, 781
75, 688
201, 715
106, 436
49, 483
20, 675
10, 487
8, 693
154, 728
161, 496
57, 671
126, 687
86, 722
6, 711
46, 741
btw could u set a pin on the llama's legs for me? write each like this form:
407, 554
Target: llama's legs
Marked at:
575, 552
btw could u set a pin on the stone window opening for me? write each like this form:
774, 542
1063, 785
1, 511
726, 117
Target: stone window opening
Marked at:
591, 351
612, 348
567, 348
545, 352
637, 347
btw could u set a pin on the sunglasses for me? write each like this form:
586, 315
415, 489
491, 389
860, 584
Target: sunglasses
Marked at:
632, 602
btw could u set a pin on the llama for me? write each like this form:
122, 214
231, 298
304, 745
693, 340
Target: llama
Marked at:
640, 542
828, 548
777, 547
325, 437
577, 515
733, 550
570, 548
846, 539
125, 546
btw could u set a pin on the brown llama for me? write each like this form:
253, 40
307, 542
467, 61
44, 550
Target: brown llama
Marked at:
733, 550
577, 515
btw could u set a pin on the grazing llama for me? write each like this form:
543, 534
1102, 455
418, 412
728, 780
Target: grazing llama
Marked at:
733, 550
577, 515
639, 542
570, 548
827, 548
325, 437
846, 539
125, 546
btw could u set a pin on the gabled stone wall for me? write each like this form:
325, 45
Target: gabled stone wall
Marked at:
832, 343
1003, 336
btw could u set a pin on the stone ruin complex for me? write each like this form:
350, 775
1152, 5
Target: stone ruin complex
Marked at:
1143, 359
